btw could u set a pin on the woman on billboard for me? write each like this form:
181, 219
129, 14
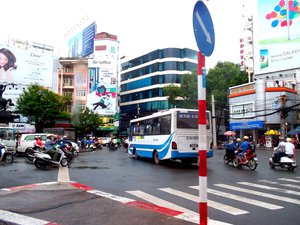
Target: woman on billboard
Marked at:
7, 63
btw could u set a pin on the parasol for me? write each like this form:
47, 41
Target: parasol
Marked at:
229, 133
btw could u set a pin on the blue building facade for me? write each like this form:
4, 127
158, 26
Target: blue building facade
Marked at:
143, 79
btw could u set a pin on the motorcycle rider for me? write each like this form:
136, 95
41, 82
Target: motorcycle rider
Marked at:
289, 147
245, 146
38, 144
280, 150
50, 145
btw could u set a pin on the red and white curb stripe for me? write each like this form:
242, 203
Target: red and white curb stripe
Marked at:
16, 219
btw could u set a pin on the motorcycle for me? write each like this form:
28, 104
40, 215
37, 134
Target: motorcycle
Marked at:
31, 151
68, 151
5, 156
229, 154
113, 146
251, 158
42, 160
288, 162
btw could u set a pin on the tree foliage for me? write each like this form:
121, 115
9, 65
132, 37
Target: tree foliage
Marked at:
185, 95
42, 106
86, 122
219, 79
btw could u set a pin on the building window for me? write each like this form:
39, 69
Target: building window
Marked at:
80, 93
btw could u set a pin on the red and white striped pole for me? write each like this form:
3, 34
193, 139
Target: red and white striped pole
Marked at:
202, 140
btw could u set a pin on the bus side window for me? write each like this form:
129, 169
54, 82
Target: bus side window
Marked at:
141, 130
148, 130
135, 130
165, 124
156, 126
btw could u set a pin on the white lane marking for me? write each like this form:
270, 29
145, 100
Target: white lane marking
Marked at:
289, 180
111, 196
187, 214
262, 194
284, 185
242, 199
15, 218
216, 205
271, 188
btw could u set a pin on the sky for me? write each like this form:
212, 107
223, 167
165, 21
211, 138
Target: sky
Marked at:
141, 26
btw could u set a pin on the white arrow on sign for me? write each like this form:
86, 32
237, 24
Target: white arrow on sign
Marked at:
207, 34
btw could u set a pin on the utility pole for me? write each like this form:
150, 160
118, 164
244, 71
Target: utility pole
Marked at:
214, 121
283, 115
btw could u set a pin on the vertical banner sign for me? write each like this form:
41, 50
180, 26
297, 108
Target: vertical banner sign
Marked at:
205, 38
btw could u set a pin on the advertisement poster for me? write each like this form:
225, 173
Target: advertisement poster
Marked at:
21, 66
102, 97
82, 44
277, 36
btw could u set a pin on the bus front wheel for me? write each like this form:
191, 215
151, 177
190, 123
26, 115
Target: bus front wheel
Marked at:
156, 158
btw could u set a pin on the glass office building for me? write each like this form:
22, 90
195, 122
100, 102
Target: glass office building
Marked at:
143, 79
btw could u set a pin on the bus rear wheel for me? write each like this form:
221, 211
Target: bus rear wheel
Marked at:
156, 159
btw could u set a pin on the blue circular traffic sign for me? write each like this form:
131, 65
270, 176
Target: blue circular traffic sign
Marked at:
203, 29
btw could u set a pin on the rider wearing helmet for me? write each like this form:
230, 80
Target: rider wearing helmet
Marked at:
245, 146
38, 142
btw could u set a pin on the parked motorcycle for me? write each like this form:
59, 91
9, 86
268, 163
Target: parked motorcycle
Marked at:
288, 162
251, 163
42, 160
5, 156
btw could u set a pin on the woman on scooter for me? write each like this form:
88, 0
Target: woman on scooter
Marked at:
38, 144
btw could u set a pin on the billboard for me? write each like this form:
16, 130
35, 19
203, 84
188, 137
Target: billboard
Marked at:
25, 66
277, 36
82, 44
102, 96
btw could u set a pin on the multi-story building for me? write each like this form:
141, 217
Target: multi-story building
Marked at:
91, 79
143, 79
270, 101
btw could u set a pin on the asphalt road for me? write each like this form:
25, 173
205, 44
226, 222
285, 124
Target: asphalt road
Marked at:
266, 200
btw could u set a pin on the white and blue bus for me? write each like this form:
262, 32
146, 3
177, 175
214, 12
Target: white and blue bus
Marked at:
170, 134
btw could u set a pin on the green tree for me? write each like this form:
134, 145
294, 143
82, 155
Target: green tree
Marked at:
86, 122
219, 79
42, 106
185, 95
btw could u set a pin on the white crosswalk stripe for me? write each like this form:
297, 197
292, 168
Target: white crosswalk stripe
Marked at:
212, 204
262, 194
241, 199
284, 185
268, 186
271, 188
188, 215
289, 180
